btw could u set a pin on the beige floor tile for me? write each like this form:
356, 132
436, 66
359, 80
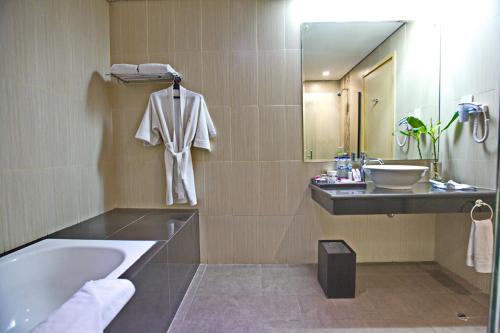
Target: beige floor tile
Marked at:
276, 299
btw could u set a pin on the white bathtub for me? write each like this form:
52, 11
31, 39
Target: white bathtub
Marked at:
37, 279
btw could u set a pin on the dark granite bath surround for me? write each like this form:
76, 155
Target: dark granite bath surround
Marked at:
116, 224
162, 275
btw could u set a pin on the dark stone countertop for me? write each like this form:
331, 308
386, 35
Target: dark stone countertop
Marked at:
423, 189
422, 198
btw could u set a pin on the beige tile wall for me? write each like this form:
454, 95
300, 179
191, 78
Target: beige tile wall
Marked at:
244, 57
470, 65
55, 119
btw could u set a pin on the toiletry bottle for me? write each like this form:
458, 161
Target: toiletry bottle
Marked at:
335, 164
341, 167
338, 166
349, 168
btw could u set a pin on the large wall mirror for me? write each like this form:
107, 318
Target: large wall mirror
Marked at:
360, 81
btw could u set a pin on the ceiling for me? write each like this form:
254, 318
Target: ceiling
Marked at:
338, 47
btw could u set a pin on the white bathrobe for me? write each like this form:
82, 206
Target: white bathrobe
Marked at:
179, 123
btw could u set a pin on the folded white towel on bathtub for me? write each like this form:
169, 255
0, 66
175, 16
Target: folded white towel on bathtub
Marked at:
153, 68
91, 309
124, 69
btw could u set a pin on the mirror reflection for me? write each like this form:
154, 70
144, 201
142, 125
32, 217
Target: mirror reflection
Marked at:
361, 80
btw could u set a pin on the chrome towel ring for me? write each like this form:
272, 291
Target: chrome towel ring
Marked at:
479, 203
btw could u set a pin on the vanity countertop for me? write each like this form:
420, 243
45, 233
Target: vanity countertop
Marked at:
422, 198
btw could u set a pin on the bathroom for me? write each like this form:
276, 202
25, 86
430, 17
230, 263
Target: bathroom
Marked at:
83, 202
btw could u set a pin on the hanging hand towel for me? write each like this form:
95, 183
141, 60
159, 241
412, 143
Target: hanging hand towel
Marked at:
124, 69
157, 69
91, 309
480, 250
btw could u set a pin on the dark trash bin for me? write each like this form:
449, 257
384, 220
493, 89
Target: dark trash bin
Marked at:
336, 268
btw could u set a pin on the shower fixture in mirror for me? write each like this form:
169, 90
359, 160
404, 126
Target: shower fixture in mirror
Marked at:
360, 80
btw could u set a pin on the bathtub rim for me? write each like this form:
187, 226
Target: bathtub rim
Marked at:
132, 250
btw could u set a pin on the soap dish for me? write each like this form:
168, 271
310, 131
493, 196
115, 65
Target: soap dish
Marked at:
344, 184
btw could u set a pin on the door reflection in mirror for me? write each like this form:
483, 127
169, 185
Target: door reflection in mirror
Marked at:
393, 65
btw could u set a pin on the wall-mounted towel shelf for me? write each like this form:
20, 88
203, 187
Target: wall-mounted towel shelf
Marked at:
146, 78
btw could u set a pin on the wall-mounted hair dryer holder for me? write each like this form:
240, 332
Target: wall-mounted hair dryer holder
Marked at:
403, 122
475, 110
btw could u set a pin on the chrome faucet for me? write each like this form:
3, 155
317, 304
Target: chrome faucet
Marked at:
364, 160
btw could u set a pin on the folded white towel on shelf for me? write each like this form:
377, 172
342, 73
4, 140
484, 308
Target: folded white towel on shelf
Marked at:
91, 309
480, 250
153, 68
124, 69
451, 185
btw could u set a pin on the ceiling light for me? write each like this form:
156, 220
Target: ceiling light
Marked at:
326, 73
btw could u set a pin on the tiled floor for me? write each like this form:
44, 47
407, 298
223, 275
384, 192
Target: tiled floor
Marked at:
408, 297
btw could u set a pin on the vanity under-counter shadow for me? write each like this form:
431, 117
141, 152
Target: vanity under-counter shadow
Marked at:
162, 275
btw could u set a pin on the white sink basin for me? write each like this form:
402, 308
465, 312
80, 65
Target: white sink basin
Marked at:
396, 177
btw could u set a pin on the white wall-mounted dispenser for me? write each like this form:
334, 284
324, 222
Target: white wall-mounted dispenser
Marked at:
474, 110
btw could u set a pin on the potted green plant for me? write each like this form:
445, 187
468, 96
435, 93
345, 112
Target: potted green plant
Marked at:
434, 131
